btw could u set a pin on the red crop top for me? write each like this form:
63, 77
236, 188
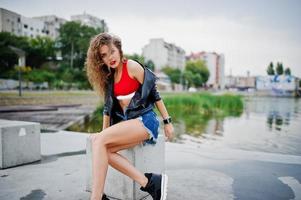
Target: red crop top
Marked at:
126, 85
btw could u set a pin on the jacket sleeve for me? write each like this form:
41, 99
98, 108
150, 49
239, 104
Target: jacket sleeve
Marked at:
106, 109
154, 94
107, 106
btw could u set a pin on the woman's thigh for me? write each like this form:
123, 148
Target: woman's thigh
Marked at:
124, 133
116, 148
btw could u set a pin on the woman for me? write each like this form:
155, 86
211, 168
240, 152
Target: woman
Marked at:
128, 117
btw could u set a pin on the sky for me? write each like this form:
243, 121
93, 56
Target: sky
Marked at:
250, 33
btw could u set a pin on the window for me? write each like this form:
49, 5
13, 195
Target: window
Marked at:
31, 28
25, 26
19, 20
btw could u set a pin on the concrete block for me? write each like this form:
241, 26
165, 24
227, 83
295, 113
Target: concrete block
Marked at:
19, 143
147, 158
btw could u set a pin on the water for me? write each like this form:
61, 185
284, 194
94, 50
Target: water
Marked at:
267, 124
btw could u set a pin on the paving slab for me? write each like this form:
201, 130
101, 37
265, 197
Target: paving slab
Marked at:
196, 171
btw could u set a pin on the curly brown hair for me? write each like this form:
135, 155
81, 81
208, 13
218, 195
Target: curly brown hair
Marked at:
97, 71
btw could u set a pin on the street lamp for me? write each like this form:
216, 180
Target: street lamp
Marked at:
21, 62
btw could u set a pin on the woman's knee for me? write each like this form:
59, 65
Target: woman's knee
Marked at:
110, 157
98, 140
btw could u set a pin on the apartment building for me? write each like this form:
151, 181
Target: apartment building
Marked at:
216, 66
164, 54
91, 21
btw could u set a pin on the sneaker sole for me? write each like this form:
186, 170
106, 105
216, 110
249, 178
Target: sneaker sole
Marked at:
164, 187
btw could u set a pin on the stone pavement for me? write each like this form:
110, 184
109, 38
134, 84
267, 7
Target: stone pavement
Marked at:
196, 171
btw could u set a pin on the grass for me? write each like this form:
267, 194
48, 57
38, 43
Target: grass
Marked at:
205, 103
12, 98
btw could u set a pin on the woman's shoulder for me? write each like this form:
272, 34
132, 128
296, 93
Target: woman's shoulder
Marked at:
133, 66
134, 69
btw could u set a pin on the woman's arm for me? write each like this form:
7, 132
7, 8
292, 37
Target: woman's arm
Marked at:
168, 128
162, 109
137, 72
105, 122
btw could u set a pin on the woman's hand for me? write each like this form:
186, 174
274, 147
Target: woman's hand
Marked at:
168, 130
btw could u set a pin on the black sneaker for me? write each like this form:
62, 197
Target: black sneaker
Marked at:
156, 186
104, 197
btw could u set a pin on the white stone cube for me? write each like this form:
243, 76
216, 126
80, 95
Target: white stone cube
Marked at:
19, 143
146, 158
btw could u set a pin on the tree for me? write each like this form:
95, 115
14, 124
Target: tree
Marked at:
40, 50
197, 80
188, 77
287, 71
136, 57
69, 34
150, 64
173, 74
270, 69
74, 41
199, 71
279, 68
8, 58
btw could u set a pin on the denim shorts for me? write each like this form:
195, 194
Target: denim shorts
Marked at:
151, 124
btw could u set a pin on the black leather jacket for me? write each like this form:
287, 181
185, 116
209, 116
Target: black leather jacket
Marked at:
142, 102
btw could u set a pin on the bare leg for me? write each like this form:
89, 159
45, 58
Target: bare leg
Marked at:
123, 133
123, 165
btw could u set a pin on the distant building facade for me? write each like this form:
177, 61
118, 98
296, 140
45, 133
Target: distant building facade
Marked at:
240, 82
52, 25
30, 27
216, 66
91, 21
278, 85
48, 25
163, 83
164, 54
33, 27
10, 22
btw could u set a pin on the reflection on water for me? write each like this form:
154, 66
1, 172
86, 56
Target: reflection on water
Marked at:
91, 124
196, 125
276, 120
267, 124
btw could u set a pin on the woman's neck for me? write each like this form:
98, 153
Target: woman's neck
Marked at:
118, 70
119, 67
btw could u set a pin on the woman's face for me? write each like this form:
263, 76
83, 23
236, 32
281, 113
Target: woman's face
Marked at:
110, 55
